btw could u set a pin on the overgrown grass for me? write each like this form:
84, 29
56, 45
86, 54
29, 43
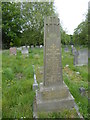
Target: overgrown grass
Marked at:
63, 114
74, 81
17, 81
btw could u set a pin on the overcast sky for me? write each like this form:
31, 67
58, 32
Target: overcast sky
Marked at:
71, 13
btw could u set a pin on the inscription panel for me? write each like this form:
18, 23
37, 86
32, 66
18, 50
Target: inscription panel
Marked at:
52, 53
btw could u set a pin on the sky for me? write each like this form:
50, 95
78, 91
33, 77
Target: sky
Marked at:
71, 13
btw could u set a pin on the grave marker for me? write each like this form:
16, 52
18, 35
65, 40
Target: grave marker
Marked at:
53, 94
41, 46
32, 46
66, 49
19, 48
74, 50
25, 51
13, 51
81, 57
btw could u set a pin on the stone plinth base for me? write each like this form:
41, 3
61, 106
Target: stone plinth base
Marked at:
49, 99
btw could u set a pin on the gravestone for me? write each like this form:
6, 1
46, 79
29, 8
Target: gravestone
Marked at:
37, 46
25, 51
32, 46
74, 50
66, 49
53, 94
88, 53
19, 48
13, 51
41, 46
76, 53
28, 47
81, 58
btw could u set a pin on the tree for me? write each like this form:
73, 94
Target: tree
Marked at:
65, 38
35, 21
22, 23
11, 22
81, 33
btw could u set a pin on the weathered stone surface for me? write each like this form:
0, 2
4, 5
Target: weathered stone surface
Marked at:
13, 51
53, 95
55, 92
81, 58
52, 53
55, 105
50, 99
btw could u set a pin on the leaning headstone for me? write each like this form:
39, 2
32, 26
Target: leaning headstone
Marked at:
13, 51
25, 51
53, 95
81, 58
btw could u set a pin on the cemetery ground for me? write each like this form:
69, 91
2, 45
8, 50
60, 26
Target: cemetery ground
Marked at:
17, 84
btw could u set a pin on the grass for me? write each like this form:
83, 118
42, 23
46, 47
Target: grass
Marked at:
0, 85
75, 81
63, 114
17, 81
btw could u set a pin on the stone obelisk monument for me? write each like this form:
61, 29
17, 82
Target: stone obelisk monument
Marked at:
53, 94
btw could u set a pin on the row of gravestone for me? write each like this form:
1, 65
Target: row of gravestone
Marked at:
24, 49
80, 56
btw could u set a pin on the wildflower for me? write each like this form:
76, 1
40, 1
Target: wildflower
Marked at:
78, 73
67, 65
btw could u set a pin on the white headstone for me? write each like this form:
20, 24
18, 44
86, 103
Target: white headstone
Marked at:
28, 47
25, 50
41, 46
32, 46
19, 48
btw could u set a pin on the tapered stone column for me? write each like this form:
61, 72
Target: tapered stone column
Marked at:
53, 94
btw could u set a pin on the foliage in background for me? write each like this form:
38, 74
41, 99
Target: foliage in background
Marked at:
22, 23
65, 38
11, 23
80, 36
18, 79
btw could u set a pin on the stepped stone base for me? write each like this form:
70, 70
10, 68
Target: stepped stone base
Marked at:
49, 99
